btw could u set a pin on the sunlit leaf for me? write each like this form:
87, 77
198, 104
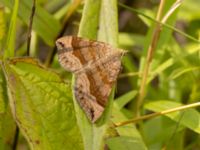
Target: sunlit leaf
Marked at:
7, 124
42, 106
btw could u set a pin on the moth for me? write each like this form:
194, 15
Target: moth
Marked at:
96, 66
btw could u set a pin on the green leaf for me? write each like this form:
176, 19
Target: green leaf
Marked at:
10, 42
3, 93
42, 106
189, 117
2, 25
129, 67
7, 129
90, 19
108, 22
7, 124
124, 143
129, 40
165, 128
180, 71
92, 134
163, 39
160, 68
124, 99
93, 18
192, 7
45, 25
130, 135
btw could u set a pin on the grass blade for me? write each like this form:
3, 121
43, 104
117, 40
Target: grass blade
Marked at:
10, 42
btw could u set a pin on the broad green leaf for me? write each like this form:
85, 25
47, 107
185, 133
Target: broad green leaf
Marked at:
190, 118
10, 41
46, 26
42, 106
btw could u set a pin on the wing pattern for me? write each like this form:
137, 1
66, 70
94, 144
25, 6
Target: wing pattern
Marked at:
96, 66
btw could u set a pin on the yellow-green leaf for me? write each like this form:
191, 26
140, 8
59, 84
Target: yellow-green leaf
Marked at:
42, 106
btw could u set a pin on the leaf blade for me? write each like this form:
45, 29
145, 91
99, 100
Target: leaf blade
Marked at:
38, 97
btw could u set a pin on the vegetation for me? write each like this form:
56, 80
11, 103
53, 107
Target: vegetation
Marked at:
155, 102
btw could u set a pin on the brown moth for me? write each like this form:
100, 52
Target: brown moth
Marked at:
95, 65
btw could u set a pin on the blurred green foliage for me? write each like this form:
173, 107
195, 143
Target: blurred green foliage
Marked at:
36, 94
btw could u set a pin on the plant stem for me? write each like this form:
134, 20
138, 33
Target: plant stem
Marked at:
163, 24
153, 115
14, 146
150, 52
30, 28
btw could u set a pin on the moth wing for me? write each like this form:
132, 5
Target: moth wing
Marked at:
96, 66
93, 85
86, 100
74, 52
